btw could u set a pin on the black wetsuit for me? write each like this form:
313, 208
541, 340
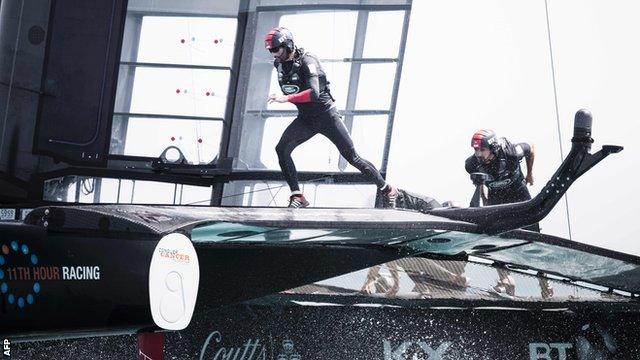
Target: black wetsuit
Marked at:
413, 201
305, 80
508, 183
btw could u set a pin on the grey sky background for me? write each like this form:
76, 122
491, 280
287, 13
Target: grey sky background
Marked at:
486, 64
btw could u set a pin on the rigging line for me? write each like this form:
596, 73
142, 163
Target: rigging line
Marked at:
238, 194
13, 70
254, 191
273, 196
555, 97
193, 94
354, 186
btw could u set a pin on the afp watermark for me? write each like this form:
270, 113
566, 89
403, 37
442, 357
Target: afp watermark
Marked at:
6, 348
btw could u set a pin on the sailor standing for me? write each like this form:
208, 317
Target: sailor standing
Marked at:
304, 83
500, 159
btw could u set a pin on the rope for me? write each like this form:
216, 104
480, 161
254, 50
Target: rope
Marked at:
555, 97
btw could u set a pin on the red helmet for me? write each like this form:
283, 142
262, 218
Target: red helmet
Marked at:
278, 37
483, 139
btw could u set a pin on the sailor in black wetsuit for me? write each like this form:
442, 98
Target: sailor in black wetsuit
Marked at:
500, 159
495, 157
304, 83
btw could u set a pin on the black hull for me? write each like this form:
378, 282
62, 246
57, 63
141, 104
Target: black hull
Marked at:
73, 283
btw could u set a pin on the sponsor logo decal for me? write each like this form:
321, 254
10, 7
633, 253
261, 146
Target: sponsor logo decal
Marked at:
592, 342
288, 352
499, 184
414, 350
290, 89
174, 276
549, 351
251, 349
174, 254
18, 263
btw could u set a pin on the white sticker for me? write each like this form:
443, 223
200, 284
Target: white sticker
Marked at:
312, 69
290, 89
174, 275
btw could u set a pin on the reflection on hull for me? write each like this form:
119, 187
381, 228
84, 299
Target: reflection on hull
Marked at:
424, 278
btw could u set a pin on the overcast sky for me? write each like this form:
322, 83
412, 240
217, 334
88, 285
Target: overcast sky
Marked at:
486, 64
